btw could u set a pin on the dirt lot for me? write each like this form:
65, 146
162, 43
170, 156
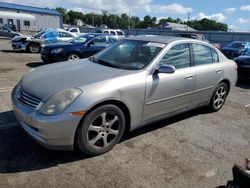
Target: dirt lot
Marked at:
196, 149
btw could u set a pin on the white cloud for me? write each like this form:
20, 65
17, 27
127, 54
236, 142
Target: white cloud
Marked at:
245, 7
243, 21
168, 9
38, 3
113, 6
229, 10
217, 17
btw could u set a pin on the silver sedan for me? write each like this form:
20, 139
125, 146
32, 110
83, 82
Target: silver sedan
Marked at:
92, 102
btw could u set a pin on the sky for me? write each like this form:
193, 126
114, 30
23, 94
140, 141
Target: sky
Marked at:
235, 13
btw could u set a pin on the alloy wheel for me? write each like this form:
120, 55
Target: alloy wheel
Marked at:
73, 57
34, 48
220, 97
103, 130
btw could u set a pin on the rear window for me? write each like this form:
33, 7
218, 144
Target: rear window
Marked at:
120, 33
73, 30
215, 55
112, 33
202, 54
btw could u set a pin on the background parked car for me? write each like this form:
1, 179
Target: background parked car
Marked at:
33, 43
235, 49
75, 31
243, 63
116, 32
6, 32
79, 47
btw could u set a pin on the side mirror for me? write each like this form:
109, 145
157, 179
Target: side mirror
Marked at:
167, 69
90, 43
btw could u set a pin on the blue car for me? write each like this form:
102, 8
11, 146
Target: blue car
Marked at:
235, 49
80, 47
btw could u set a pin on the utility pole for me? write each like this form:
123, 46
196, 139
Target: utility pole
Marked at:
188, 20
128, 20
93, 22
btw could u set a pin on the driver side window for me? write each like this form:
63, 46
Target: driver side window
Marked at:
178, 56
99, 40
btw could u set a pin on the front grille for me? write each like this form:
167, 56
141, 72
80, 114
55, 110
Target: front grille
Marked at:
28, 99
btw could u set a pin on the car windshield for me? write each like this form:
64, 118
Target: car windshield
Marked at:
39, 34
128, 54
79, 39
237, 45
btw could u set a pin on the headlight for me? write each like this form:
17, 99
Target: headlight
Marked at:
59, 102
56, 51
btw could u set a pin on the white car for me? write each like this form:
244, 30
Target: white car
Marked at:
33, 43
116, 32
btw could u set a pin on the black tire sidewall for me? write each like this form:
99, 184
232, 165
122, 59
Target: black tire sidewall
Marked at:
82, 131
211, 105
36, 45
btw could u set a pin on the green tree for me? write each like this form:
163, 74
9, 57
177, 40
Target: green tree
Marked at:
64, 13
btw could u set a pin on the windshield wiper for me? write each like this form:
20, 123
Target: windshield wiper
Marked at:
99, 61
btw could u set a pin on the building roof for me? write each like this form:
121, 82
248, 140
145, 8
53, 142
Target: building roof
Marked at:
12, 6
4, 14
177, 26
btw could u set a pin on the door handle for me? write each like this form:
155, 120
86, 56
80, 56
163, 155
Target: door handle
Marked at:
189, 77
219, 71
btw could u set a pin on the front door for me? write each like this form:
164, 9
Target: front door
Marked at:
96, 45
167, 93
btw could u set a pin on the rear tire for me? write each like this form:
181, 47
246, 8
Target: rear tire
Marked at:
100, 130
219, 97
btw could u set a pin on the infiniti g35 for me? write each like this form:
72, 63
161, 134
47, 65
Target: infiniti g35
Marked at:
92, 102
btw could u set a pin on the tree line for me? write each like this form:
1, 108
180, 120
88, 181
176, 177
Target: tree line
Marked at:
124, 21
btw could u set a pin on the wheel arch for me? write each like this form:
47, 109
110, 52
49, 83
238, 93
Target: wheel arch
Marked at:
227, 82
115, 102
74, 52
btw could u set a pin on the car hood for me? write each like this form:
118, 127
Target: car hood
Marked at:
58, 45
46, 81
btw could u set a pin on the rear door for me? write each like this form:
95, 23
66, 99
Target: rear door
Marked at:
208, 72
167, 93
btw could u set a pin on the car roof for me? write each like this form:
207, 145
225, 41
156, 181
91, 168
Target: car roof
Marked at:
96, 34
158, 38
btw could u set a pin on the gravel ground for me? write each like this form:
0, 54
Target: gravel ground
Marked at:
196, 149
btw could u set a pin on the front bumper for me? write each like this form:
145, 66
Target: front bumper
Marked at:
47, 57
55, 132
19, 45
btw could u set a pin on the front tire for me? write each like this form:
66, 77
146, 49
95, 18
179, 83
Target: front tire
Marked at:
219, 97
101, 130
72, 57
34, 48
